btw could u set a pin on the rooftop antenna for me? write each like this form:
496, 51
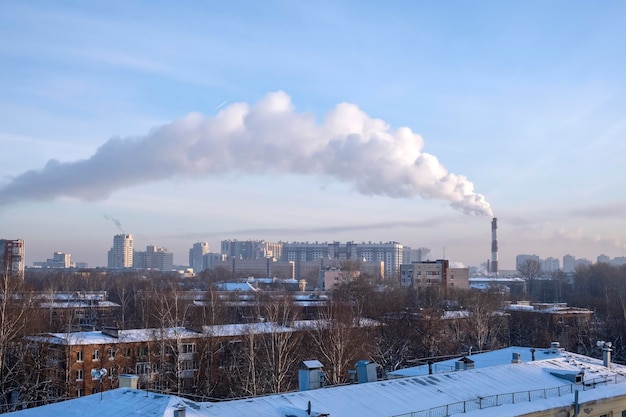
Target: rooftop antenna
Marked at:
99, 374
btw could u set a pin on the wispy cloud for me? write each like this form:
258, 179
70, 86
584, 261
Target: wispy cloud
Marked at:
306, 231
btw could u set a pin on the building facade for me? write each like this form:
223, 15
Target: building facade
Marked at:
390, 253
58, 260
434, 274
121, 254
251, 249
196, 256
154, 258
12, 257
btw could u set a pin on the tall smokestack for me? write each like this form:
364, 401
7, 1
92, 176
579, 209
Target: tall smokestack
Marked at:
494, 246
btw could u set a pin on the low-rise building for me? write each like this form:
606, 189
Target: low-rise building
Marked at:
541, 382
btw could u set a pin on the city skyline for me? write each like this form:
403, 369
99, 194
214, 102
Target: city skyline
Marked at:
413, 123
566, 262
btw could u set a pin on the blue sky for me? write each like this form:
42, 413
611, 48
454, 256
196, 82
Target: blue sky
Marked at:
525, 101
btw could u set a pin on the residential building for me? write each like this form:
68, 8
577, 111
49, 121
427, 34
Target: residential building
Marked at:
196, 256
333, 277
154, 258
410, 255
12, 257
550, 265
58, 260
121, 254
522, 259
517, 381
390, 253
210, 259
171, 359
549, 322
434, 274
251, 249
258, 268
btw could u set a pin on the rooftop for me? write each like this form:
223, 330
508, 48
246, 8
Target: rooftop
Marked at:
536, 385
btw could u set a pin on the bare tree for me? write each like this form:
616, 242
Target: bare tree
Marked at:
339, 338
279, 347
15, 320
530, 270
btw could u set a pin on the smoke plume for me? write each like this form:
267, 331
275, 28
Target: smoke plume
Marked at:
116, 222
266, 137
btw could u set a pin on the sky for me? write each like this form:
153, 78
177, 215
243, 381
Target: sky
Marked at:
414, 122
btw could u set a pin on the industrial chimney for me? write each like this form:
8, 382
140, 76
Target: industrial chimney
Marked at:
494, 247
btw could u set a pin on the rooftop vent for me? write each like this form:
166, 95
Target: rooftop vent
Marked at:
128, 381
554, 347
310, 375
516, 357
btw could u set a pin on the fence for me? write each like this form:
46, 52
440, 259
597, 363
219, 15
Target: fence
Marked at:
509, 398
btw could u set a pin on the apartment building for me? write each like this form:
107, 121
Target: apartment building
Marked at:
196, 253
434, 274
171, 359
300, 252
154, 257
12, 257
251, 249
121, 254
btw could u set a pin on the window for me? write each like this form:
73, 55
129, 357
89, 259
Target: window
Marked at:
127, 353
95, 355
142, 368
112, 371
188, 348
79, 375
142, 351
189, 366
94, 390
80, 392
111, 354
79, 356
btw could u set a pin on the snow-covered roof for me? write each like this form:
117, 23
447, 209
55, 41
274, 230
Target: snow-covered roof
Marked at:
182, 333
536, 385
481, 360
78, 304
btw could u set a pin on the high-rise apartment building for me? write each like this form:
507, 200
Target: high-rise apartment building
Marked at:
390, 253
550, 265
121, 254
251, 249
58, 260
521, 260
12, 257
569, 263
415, 255
196, 253
154, 258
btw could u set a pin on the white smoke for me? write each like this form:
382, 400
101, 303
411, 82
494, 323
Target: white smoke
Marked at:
267, 137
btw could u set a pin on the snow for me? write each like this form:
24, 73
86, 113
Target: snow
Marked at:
493, 375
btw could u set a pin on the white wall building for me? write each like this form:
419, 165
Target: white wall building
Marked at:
121, 254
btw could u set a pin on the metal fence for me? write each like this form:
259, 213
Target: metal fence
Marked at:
509, 398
